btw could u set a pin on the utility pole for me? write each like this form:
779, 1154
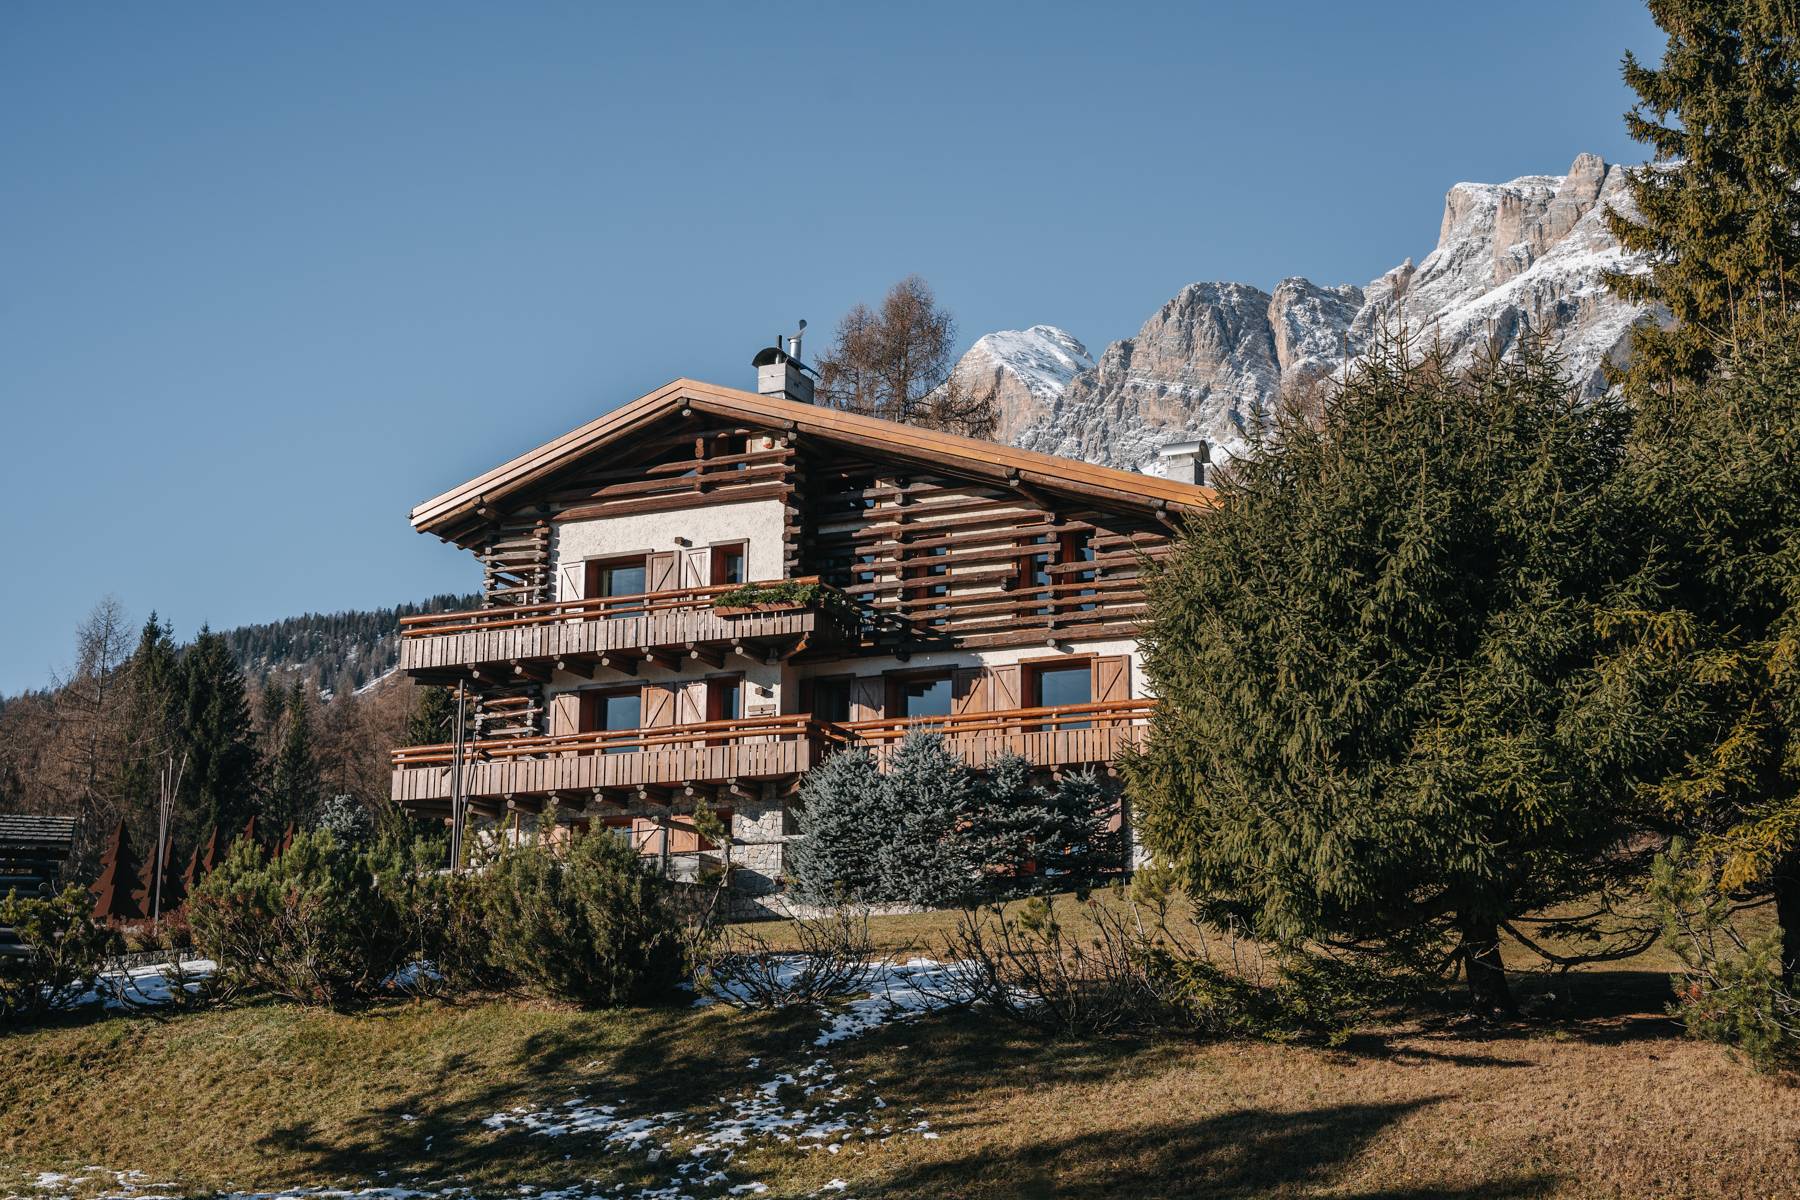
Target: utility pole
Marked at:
458, 818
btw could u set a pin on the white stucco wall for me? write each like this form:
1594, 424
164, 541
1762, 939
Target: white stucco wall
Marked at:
758, 522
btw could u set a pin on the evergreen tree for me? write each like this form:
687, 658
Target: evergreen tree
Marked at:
1059, 836
293, 792
928, 859
219, 788
843, 822
152, 683
1719, 212
1379, 721
1712, 650
433, 717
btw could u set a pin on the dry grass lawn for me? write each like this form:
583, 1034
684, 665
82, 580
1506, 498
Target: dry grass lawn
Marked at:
1605, 1098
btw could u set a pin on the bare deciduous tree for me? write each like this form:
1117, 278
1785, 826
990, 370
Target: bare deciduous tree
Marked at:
898, 363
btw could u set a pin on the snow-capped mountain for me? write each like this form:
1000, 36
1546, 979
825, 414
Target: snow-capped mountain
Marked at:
1028, 368
1216, 359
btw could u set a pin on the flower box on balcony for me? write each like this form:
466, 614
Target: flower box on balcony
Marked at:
787, 596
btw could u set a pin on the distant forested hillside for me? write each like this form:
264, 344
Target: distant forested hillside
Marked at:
344, 651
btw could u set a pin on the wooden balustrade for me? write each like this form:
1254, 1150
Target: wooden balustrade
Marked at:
755, 748
668, 624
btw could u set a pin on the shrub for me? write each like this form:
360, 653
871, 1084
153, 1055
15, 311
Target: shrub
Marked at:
61, 949
589, 925
347, 819
322, 923
451, 932
834, 960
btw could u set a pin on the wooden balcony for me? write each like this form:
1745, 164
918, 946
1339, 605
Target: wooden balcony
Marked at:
527, 641
635, 767
1069, 735
621, 767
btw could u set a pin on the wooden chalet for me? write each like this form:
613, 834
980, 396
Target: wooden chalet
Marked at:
618, 667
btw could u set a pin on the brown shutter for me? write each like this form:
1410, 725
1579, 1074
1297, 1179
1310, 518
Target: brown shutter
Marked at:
1003, 688
867, 692
968, 691
696, 567
690, 702
658, 705
1112, 678
662, 572
570, 581
565, 713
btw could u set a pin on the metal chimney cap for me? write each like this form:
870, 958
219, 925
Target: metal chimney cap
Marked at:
1196, 449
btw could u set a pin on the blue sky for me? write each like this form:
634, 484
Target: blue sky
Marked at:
269, 275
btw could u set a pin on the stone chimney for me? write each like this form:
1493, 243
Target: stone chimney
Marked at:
1187, 462
779, 372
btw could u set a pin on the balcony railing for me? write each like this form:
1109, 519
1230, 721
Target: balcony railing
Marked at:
666, 624
653, 763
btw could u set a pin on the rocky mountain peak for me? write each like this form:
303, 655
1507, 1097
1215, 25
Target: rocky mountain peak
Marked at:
1216, 359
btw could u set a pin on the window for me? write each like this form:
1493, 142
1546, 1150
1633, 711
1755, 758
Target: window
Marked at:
725, 698
609, 711
724, 702
831, 699
1075, 548
919, 695
1054, 686
728, 564
616, 577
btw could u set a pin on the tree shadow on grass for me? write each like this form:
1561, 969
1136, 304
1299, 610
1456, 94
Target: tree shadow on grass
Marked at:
1250, 1152
643, 1061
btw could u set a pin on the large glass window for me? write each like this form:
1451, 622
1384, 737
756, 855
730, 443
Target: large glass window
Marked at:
1052, 687
616, 577
603, 712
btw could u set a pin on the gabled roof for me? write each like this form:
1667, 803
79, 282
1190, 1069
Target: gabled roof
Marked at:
970, 456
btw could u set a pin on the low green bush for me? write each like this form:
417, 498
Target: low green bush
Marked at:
62, 950
586, 923
321, 923
786, 591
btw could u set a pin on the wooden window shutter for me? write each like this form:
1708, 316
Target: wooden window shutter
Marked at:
663, 568
968, 691
565, 713
690, 702
570, 581
1003, 688
1112, 678
696, 567
867, 693
659, 705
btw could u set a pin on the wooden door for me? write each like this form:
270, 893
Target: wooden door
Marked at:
690, 701
569, 581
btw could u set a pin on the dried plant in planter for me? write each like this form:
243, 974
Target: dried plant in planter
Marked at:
834, 960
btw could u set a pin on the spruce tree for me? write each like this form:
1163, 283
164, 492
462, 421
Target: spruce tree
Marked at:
929, 860
152, 725
1710, 652
843, 822
432, 720
1379, 721
293, 793
219, 787
1719, 214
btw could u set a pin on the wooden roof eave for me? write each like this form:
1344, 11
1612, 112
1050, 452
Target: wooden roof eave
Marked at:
459, 511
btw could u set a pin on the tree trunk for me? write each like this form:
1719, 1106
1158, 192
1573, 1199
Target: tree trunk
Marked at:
1787, 915
1488, 988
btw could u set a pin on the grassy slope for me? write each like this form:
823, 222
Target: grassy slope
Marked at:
1609, 1101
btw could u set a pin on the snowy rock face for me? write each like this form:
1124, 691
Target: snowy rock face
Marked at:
1217, 360
1027, 370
